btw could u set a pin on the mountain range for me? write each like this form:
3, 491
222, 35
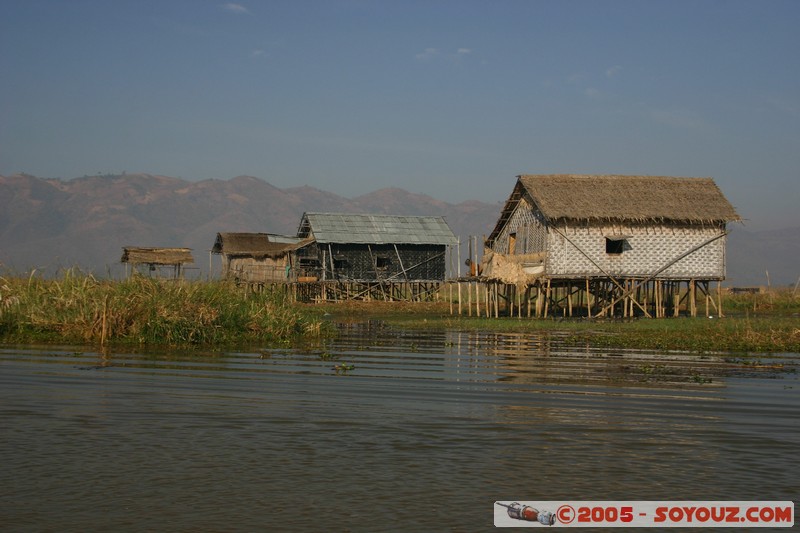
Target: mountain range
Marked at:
49, 224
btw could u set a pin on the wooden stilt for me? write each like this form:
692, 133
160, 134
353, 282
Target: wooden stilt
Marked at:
469, 298
450, 298
676, 303
528, 298
547, 299
538, 299
478, 299
569, 299
588, 300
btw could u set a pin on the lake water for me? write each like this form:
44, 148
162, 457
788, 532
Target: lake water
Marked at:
424, 433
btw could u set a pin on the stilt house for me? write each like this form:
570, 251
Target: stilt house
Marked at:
357, 247
614, 235
153, 260
256, 257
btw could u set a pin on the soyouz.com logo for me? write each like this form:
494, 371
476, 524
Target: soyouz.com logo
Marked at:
644, 514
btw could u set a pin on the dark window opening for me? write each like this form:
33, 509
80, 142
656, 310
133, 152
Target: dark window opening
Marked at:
339, 263
615, 246
381, 263
308, 262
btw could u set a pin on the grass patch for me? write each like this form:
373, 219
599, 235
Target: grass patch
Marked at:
771, 329
772, 302
78, 308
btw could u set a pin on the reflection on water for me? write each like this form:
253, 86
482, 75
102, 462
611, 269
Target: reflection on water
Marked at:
382, 430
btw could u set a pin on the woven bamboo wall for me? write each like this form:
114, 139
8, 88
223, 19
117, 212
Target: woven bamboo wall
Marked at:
422, 262
530, 229
646, 250
256, 270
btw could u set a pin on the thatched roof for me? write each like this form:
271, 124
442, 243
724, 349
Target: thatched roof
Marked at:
257, 245
376, 229
629, 198
621, 199
156, 256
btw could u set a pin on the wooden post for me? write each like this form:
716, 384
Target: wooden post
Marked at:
477, 298
626, 298
539, 299
657, 298
631, 298
458, 273
528, 298
588, 300
469, 296
569, 298
547, 299
676, 300
450, 289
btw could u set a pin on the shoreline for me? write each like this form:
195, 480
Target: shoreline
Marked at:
80, 309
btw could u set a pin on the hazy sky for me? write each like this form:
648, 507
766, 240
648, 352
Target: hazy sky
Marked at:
447, 98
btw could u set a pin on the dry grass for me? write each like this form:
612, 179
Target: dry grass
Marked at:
81, 308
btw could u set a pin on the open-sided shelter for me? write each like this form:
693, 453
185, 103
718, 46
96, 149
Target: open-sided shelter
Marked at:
152, 260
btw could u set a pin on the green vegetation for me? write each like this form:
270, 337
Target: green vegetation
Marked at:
766, 322
772, 302
764, 334
78, 308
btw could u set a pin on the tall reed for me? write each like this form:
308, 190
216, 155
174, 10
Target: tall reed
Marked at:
80, 308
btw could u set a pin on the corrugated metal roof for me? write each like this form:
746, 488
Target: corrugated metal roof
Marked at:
376, 229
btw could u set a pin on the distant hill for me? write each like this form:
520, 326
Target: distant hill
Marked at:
50, 224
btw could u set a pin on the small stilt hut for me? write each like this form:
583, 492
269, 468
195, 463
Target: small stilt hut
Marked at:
257, 258
151, 261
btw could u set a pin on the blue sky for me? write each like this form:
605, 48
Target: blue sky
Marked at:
447, 98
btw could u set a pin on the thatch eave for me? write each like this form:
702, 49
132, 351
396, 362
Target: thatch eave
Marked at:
156, 256
256, 245
581, 200
617, 221
628, 198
